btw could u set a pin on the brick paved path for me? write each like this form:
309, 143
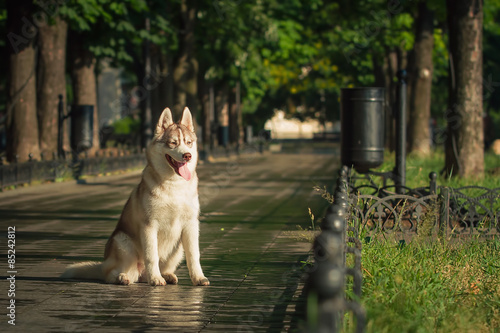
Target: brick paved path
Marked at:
252, 262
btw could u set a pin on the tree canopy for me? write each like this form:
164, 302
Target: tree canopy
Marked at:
294, 55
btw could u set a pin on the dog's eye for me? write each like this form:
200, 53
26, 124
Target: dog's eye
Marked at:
173, 142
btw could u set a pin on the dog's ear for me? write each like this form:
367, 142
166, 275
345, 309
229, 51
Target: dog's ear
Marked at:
187, 119
164, 121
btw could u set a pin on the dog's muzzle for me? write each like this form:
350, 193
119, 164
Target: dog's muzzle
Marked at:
180, 168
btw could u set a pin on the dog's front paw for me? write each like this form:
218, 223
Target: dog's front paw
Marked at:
157, 281
123, 279
201, 282
171, 278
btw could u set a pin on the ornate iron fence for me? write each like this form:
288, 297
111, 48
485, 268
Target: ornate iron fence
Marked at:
428, 211
471, 210
111, 163
15, 174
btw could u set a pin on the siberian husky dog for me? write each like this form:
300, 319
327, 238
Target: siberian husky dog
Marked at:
160, 219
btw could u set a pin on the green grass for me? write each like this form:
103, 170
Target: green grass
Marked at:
428, 286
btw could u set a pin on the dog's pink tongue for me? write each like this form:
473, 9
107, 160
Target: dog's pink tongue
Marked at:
184, 171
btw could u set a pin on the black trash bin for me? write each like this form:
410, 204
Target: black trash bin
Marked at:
82, 127
362, 127
223, 135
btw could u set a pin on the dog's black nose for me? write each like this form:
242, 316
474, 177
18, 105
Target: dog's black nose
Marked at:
186, 157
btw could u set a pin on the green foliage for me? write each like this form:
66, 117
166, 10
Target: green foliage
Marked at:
440, 57
490, 20
126, 126
3, 18
230, 36
491, 60
109, 26
294, 55
320, 47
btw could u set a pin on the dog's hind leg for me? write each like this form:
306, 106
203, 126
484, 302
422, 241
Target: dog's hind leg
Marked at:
120, 265
168, 266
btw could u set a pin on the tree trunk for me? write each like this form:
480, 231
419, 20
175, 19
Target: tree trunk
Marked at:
465, 139
222, 114
22, 124
186, 69
157, 95
51, 82
84, 80
235, 121
419, 136
390, 68
206, 119
146, 114
167, 80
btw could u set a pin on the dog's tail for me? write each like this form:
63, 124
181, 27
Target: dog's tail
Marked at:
89, 270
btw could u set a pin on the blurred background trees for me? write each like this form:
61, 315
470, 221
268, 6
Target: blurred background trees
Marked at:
233, 63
